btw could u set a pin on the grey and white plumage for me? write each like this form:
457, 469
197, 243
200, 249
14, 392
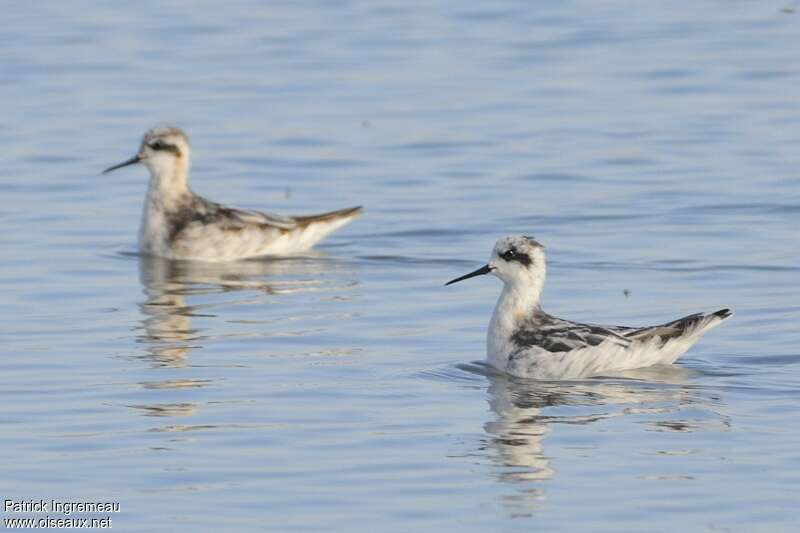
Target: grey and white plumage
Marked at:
179, 224
525, 341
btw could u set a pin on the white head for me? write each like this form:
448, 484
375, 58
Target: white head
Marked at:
518, 260
165, 152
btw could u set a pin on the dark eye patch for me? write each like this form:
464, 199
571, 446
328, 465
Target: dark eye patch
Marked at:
160, 145
513, 255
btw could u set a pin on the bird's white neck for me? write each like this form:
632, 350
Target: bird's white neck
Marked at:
167, 193
517, 302
168, 183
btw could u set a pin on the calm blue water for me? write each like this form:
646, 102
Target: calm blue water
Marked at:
653, 148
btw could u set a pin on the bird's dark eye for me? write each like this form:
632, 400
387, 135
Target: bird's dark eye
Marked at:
509, 254
159, 145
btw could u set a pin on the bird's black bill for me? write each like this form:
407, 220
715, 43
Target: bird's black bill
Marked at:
132, 161
480, 272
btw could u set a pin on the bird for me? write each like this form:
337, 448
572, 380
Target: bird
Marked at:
177, 223
525, 341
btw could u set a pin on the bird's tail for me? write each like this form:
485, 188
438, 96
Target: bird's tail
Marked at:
695, 324
714, 319
342, 215
314, 228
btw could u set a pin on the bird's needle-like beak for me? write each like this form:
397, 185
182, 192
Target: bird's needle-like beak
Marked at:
132, 161
485, 269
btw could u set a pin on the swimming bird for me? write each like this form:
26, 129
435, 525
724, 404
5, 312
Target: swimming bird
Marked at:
525, 341
179, 224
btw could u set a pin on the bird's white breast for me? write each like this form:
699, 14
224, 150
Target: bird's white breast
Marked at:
153, 238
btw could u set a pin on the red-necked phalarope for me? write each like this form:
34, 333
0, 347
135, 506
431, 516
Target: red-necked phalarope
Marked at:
179, 224
525, 341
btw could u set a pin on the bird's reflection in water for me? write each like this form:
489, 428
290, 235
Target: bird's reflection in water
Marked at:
167, 323
178, 291
525, 412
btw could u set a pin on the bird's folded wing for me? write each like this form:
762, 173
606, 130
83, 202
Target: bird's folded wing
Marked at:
240, 218
670, 330
567, 336
560, 335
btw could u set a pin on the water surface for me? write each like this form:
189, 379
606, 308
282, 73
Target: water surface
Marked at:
653, 149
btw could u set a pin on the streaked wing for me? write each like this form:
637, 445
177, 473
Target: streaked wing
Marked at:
201, 214
670, 330
245, 217
563, 336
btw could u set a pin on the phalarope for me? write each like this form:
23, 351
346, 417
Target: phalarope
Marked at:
179, 224
525, 341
